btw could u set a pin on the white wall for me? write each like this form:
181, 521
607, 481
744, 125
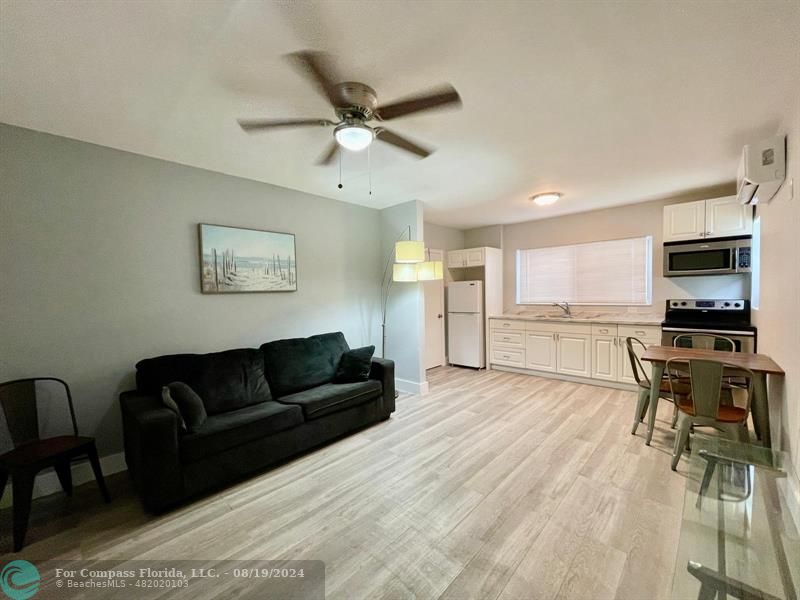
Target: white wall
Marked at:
99, 256
613, 223
443, 238
405, 319
778, 318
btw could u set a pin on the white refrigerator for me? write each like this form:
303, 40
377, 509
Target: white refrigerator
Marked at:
465, 342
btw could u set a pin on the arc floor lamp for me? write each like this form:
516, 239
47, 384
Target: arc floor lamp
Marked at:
408, 263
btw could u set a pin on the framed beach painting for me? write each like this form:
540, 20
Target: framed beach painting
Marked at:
236, 260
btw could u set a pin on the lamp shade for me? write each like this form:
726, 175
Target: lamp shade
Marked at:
409, 252
430, 270
404, 272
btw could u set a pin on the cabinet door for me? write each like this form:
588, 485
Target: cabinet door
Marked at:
455, 259
474, 257
685, 221
604, 357
726, 216
574, 354
540, 350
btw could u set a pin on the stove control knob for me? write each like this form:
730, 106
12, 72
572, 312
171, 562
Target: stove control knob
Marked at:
726, 304
738, 305
674, 304
683, 303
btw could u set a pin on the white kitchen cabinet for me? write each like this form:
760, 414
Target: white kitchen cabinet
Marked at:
648, 335
685, 221
574, 354
474, 257
469, 257
728, 217
717, 217
455, 259
540, 350
605, 355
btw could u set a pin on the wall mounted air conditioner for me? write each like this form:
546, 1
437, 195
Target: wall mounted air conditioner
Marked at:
762, 169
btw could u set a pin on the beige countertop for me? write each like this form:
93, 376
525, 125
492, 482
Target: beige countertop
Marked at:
589, 317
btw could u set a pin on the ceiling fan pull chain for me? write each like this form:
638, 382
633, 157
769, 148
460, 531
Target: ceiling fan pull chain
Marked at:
340, 168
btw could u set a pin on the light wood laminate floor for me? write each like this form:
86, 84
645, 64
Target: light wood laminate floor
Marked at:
493, 485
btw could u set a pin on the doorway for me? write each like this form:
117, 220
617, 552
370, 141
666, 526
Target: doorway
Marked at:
434, 318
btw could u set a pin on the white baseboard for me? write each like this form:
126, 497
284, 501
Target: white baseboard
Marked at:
47, 482
411, 387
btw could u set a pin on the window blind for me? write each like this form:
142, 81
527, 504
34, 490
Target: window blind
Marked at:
610, 272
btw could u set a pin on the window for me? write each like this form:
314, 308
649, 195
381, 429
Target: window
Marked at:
612, 272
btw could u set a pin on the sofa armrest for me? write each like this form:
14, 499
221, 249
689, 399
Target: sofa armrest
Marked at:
150, 432
383, 370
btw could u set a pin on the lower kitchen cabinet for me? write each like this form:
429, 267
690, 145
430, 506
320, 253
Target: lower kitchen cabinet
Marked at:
588, 351
574, 354
540, 350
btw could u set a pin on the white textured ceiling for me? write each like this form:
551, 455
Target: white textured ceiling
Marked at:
609, 103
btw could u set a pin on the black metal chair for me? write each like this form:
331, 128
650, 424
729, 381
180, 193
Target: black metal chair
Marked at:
31, 454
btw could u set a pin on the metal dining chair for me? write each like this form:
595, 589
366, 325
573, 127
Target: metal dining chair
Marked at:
704, 341
643, 382
702, 407
31, 453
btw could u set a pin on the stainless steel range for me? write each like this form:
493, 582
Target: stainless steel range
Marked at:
728, 318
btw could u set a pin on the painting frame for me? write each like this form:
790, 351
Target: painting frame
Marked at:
272, 282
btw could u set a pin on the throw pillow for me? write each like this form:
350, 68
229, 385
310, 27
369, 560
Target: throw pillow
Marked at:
180, 398
354, 365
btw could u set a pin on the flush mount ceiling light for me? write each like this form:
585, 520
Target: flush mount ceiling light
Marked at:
546, 198
354, 136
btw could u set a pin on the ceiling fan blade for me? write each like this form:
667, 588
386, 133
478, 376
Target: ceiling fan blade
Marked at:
437, 98
317, 66
330, 154
401, 142
251, 125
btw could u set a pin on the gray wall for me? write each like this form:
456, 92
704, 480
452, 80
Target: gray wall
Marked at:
99, 256
614, 223
491, 235
440, 237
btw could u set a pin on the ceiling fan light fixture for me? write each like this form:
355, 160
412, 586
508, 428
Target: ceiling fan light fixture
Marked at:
546, 198
354, 137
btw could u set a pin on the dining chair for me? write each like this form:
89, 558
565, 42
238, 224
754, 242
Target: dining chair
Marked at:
681, 388
702, 407
30, 453
704, 341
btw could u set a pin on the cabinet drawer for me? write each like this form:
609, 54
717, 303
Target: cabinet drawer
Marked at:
513, 357
508, 338
505, 324
643, 332
604, 329
559, 327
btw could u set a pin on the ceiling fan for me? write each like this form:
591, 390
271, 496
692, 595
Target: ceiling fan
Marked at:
355, 105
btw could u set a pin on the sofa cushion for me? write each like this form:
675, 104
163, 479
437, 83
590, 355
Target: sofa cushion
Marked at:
233, 428
332, 397
354, 365
224, 380
298, 364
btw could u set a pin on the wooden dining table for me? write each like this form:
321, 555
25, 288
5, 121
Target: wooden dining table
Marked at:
760, 364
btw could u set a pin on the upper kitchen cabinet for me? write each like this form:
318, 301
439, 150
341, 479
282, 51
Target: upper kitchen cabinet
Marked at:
718, 217
471, 257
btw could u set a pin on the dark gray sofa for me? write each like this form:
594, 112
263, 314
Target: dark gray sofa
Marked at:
264, 406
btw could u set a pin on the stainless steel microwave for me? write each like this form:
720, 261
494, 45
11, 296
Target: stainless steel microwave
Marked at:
723, 256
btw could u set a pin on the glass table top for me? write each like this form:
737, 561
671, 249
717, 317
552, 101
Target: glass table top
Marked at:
737, 537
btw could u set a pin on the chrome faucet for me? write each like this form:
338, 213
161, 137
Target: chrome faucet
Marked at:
564, 307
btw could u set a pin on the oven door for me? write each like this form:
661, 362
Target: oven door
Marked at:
704, 258
744, 341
